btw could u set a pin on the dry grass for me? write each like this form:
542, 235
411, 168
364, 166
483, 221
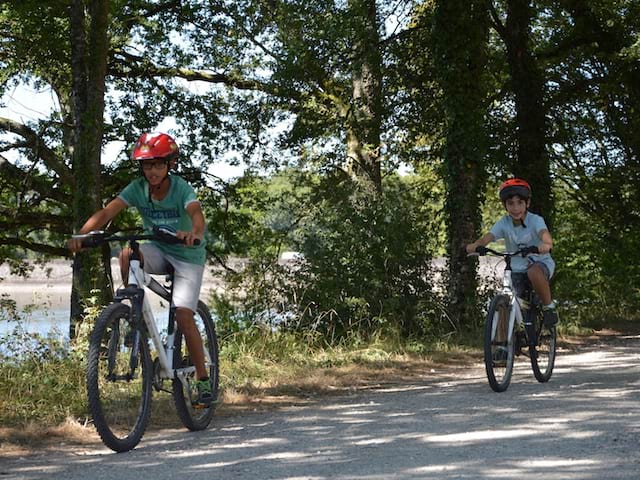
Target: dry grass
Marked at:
283, 386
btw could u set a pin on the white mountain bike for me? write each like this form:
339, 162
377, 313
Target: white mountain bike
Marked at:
120, 371
516, 326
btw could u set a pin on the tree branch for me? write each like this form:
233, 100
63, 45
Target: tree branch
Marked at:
39, 148
35, 246
17, 178
133, 66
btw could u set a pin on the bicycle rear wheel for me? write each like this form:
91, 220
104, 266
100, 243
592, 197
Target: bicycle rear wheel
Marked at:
543, 354
499, 347
184, 391
119, 379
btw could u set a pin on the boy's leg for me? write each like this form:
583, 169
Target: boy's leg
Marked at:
540, 282
123, 259
187, 280
184, 318
539, 278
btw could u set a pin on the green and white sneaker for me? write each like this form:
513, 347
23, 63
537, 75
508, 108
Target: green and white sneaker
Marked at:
205, 394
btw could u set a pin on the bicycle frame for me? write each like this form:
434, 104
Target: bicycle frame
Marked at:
120, 383
515, 309
137, 280
503, 335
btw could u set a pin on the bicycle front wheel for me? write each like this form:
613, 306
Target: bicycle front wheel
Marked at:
119, 379
543, 354
499, 344
184, 392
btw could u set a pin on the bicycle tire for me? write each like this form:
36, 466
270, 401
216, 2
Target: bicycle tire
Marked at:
543, 354
192, 418
119, 399
498, 342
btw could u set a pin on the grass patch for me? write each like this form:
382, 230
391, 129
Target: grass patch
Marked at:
43, 395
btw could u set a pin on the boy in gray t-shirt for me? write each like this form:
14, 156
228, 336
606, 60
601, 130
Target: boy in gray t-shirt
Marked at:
521, 228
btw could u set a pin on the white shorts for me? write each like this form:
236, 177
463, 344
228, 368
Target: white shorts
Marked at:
187, 277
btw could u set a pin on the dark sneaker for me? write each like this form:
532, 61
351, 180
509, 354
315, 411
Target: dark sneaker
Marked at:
129, 338
500, 356
205, 394
521, 342
550, 317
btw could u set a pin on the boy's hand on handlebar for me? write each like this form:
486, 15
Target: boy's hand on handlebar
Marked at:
189, 238
475, 249
544, 248
74, 244
529, 250
93, 239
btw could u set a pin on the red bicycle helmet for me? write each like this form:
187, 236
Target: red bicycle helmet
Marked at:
515, 186
155, 145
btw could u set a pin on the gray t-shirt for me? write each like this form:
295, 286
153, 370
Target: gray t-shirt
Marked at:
525, 235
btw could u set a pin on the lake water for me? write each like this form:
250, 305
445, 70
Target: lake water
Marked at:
42, 322
43, 299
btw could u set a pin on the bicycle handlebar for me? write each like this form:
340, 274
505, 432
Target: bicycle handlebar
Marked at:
524, 251
99, 237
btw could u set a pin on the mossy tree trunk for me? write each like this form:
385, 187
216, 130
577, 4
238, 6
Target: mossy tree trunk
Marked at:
461, 29
364, 119
527, 83
89, 52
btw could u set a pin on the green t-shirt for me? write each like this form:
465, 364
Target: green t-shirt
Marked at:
169, 213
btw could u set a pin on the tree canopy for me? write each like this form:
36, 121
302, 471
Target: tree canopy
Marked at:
338, 96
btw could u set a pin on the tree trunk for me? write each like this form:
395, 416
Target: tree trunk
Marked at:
365, 118
89, 51
532, 162
461, 28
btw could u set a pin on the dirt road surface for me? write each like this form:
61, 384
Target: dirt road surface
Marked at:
583, 424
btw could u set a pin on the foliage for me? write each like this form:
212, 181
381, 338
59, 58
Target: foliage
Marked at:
41, 380
597, 274
271, 85
361, 267
46, 385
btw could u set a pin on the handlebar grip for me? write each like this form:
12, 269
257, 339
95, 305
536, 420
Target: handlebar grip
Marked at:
92, 239
170, 237
529, 250
480, 250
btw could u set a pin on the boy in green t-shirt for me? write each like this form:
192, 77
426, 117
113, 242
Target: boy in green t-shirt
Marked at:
170, 202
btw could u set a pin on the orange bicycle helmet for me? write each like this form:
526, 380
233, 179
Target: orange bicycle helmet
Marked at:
515, 186
151, 146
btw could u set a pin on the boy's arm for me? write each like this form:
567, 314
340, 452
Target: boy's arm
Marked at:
98, 220
197, 224
483, 241
546, 241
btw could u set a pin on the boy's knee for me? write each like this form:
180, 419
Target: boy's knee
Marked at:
125, 253
535, 272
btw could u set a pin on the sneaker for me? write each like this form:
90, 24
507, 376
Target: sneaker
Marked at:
500, 356
550, 317
205, 394
521, 342
129, 338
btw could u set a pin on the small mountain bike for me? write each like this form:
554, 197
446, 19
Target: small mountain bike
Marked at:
515, 326
120, 371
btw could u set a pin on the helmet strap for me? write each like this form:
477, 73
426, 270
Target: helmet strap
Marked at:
166, 177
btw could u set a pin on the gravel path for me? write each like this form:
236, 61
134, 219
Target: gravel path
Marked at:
584, 424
